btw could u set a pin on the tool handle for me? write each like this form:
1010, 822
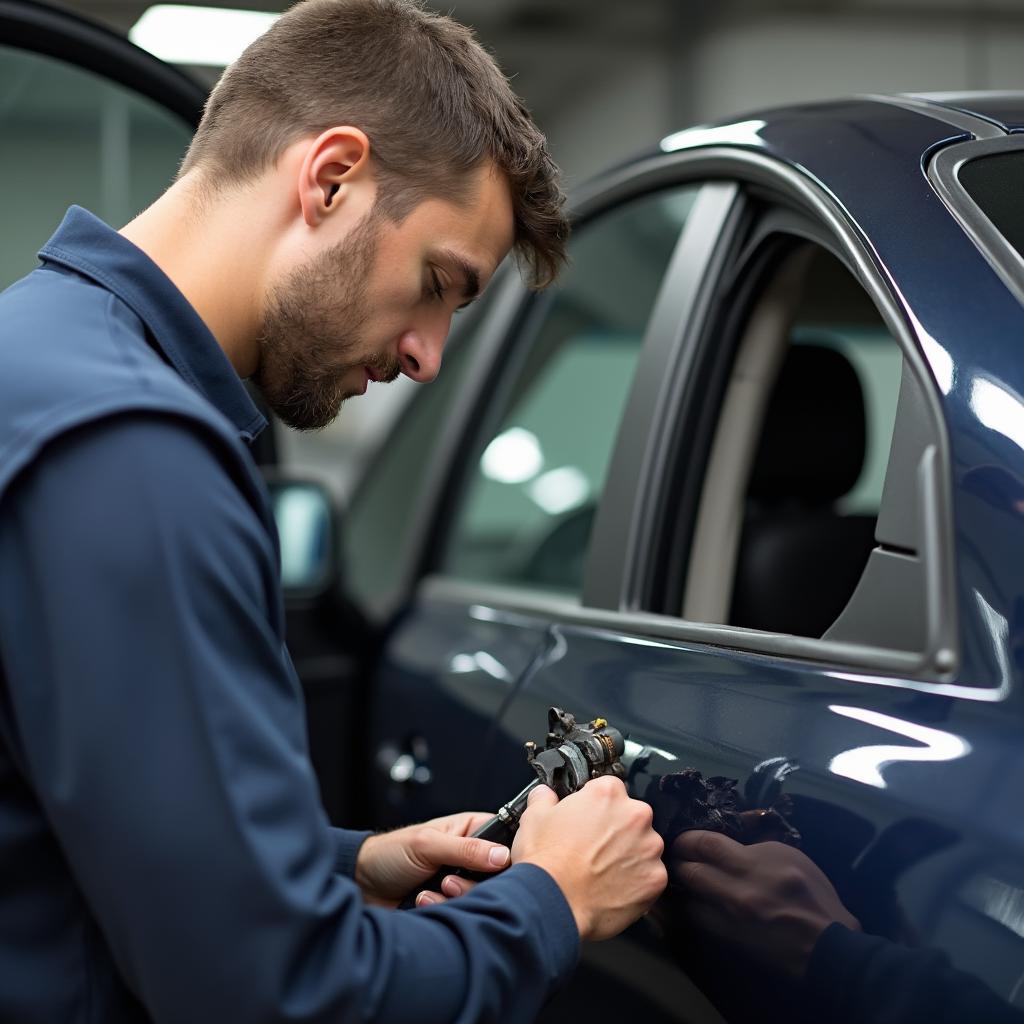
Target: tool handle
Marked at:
501, 828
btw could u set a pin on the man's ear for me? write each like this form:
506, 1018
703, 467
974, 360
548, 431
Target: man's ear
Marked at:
335, 170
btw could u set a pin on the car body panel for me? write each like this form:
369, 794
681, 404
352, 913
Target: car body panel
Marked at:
884, 784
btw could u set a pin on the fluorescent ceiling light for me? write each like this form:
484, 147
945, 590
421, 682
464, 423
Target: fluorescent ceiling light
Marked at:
198, 35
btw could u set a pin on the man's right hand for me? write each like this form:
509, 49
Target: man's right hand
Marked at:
599, 847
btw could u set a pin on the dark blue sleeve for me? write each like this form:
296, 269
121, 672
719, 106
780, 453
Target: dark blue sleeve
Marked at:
346, 849
162, 730
863, 979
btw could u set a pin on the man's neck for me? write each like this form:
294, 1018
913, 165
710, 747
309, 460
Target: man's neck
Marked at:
209, 249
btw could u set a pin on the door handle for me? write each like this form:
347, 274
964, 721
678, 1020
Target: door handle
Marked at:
408, 766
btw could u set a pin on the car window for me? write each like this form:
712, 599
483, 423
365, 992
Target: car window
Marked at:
539, 466
797, 468
70, 136
376, 535
993, 182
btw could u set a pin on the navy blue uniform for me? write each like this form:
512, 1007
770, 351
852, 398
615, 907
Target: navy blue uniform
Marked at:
163, 851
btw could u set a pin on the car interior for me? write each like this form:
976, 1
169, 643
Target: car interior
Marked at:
786, 518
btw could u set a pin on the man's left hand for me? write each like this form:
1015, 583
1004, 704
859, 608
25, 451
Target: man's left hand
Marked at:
393, 864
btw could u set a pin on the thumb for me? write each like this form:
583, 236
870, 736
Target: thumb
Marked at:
436, 849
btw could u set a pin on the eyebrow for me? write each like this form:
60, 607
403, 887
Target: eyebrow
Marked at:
470, 274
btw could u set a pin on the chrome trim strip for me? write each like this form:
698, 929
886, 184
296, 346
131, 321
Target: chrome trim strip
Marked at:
492, 602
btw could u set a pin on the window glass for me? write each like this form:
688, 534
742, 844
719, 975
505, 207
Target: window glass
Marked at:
375, 531
994, 183
70, 136
802, 446
538, 474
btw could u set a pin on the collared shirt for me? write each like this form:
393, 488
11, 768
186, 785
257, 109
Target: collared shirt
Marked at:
163, 851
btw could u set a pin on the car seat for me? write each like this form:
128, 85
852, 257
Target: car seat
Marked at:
799, 559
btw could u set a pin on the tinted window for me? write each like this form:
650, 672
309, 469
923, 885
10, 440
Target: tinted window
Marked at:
996, 184
539, 468
70, 136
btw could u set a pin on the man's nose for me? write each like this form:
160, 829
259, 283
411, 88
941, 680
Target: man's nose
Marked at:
419, 352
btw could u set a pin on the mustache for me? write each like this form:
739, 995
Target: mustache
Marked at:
385, 367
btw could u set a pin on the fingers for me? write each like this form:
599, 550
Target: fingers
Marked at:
463, 824
542, 796
710, 848
703, 880
434, 849
452, 886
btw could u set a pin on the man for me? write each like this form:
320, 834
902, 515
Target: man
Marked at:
358, 175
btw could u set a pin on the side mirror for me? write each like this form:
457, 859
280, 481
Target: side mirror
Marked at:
307, 520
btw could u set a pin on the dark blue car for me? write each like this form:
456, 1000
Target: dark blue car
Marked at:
748, 483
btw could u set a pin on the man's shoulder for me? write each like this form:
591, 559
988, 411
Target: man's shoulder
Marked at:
72, 353
59, 324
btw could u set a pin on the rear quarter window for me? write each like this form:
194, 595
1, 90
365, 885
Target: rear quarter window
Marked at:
996, 184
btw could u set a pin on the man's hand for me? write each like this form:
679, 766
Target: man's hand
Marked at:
769, 898
392, 864
599, 847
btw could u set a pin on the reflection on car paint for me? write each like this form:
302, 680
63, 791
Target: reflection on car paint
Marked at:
997, 900
483, 662
741, 133
865, 764
999, 409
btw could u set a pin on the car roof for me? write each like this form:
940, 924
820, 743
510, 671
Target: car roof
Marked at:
1005, 109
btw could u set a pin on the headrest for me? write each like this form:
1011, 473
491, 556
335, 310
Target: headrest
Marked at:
814, 435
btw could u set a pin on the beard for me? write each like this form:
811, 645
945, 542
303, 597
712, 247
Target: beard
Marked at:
310, 336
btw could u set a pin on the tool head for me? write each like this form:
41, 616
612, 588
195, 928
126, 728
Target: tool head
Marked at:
574, 754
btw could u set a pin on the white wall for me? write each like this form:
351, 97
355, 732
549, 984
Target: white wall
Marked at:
784, 59
625, 109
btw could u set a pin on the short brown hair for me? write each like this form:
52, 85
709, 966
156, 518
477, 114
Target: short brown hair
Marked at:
432, 101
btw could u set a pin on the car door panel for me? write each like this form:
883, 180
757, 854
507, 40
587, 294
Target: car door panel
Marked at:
448, 673
882, 783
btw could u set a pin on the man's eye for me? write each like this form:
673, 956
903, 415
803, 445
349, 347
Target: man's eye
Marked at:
436, 288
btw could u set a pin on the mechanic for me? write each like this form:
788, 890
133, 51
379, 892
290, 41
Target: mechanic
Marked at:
774, 903
359, 173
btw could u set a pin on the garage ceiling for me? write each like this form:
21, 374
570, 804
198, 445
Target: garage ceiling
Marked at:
560, 49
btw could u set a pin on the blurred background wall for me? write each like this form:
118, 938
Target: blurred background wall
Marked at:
603, 79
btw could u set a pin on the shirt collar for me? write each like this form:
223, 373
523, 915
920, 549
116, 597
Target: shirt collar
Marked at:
87, 245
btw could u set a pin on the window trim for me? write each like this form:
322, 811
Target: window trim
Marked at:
666, 354
850, 662
932, 668
943, 172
